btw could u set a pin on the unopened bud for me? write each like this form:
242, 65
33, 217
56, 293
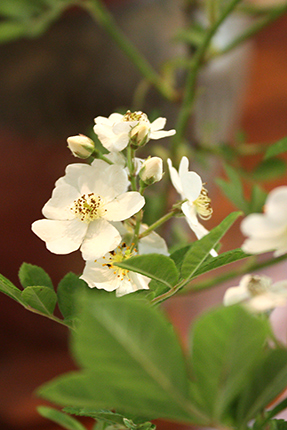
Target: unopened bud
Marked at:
81, 146
139, 135
151, 170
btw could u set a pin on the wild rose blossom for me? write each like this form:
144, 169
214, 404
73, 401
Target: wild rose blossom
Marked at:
116, 131
83, 204
268, 231
190, 187
103, 274
257, 293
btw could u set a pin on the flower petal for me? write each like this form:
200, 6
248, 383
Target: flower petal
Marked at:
101, 237
260, 226
59, 205
190, 181
152, 243
155, 135
124, 206
158, 124
61, 237
276, 205
235, 295
175, 179
98, 276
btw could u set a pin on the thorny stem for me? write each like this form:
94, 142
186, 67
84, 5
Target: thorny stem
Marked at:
190, 85
103, 17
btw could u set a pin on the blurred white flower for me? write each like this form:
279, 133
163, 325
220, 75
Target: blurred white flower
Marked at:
116, 131
257, 293
83, 204
152, 170
190, 187
268, 231
81, 146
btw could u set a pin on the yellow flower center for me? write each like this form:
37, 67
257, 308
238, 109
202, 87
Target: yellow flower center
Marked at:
120, 254
202, 204
135, 116
88, 207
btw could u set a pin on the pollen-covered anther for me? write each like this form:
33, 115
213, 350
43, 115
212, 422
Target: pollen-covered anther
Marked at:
88, 207
202, 204
135, 116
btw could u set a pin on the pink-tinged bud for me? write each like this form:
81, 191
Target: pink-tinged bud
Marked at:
81, 146
152, 170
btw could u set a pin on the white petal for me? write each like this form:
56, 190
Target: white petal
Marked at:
190, 181
152, 243
260, 245
115, 117
155, 135
189, 211
107, 183
235, 295
61, 237
134, 283
98, 276
124, 206
175, 179
101, 237
72, 174
158, 124
259, 226
59, 205
276, 205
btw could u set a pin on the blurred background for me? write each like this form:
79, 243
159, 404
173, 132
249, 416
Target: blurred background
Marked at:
52, 87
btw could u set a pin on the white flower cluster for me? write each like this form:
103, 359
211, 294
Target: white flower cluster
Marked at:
90, 203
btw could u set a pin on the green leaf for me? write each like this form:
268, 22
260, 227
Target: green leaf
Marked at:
132, 362
178, 255
269, 169
98, 414
257, 200
42, 299
11, 30
233, 189
277, 148
156, 266
31, 275
222, 260
200, 249
60, 418
67, 292
265, 383
226, 345
10, 289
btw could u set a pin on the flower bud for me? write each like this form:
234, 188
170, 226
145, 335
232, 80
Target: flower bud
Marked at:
151, 170
81, 146
139, 134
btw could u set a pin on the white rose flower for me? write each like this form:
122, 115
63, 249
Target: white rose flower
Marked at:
190, 187
115, 131
83, 204
257, 293
102, 273
268, 231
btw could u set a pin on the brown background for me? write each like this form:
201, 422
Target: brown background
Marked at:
35, 119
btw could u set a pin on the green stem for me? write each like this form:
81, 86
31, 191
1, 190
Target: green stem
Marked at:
253, 29
217, 280
175, 210
190, 85
131, 167
103, 17
51, 317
